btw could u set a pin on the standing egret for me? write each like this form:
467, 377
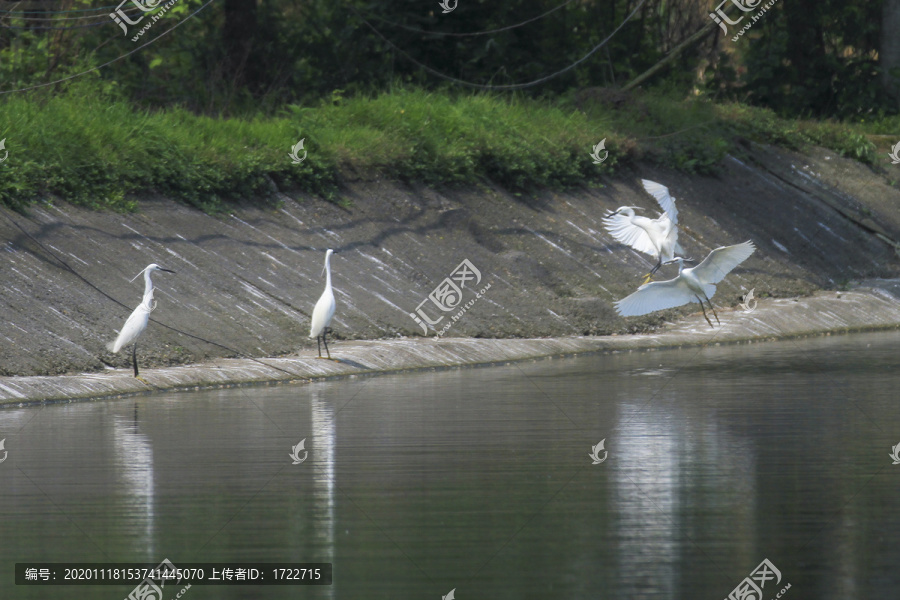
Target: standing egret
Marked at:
656, 237
324, 310
137, 322
692, 283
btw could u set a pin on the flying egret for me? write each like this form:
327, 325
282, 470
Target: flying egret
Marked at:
137, 322
691, 283
656, 237
324, 310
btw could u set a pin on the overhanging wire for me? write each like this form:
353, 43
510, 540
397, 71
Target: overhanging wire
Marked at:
512, 86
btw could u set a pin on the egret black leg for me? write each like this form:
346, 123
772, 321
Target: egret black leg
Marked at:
649, 275
319, 345
325, 341
134, 359
704, 310
713, 309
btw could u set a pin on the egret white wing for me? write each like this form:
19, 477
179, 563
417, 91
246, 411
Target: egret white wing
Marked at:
657, 295
322, 314
623, 230
669, 246
721, 261
134, 326
663, 198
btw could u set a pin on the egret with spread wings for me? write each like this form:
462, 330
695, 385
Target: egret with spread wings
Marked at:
656, 237
697, 283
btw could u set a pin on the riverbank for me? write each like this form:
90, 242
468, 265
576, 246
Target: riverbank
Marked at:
823, 313
246, 281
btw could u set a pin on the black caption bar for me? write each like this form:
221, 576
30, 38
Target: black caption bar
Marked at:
170, 575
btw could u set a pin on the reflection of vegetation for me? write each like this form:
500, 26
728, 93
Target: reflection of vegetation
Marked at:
93, 149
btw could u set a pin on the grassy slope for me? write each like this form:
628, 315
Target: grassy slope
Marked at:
100, 152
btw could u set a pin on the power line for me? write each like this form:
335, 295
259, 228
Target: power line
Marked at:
513, 86
117, 59
377, 32
52, 18
474, 33
33, 27
60, 12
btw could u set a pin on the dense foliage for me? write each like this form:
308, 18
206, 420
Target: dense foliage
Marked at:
815, 59
93, 149
243, 56
204, 103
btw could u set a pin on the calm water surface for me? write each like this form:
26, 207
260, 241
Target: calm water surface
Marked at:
480, 479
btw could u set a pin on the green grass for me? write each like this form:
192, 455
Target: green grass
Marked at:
90, 149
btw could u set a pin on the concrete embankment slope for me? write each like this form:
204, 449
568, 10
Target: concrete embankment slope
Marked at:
246, 281
857, 310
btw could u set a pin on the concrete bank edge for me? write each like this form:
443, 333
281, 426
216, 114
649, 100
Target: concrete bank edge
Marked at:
863, 309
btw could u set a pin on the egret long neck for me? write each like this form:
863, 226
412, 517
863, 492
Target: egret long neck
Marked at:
148, 287
328, 272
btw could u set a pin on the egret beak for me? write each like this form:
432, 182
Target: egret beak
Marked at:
166, 270
333, 252
618, 210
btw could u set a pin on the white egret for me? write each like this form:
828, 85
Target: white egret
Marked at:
137, 322
324, 310
692, 283
656, 237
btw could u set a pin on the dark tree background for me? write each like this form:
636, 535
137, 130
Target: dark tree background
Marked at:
825, 58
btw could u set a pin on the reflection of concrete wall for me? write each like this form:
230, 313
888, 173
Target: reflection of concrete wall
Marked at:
645, 497
725, 482
668, 471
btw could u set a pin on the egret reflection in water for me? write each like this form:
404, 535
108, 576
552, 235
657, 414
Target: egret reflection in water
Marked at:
134, 465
